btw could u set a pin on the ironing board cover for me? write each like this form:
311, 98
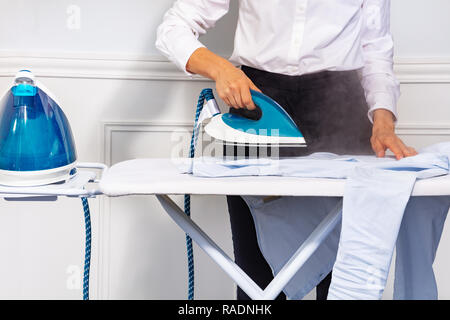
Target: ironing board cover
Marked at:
162, 176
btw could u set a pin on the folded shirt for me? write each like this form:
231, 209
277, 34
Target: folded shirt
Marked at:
318, 165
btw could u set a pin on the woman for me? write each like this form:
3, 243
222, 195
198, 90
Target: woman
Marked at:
328, 63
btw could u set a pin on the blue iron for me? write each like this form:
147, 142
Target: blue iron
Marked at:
36, 142
273, 126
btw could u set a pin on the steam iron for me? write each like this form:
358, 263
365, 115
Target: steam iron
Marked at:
271, 127
36, 142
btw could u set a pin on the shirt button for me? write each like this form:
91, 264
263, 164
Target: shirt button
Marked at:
291, 69
301, 9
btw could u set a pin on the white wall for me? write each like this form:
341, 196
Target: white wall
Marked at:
123, 100
421, 28
106, 27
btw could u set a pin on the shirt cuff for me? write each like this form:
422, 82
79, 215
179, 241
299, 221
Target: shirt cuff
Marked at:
182, 49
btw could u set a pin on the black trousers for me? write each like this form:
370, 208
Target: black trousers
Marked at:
331, 111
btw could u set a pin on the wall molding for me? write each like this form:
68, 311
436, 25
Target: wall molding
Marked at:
422, 70
423, 129
96, 66
111, 127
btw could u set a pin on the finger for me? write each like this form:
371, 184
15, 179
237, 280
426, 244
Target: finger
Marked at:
229, 98
405, 150
413, 151
247, 99
227, 101
378, 148
237, 97
233, 101
234, 95
410, 151
396, 149
224, 94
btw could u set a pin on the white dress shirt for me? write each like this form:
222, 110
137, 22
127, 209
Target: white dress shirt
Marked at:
295, 37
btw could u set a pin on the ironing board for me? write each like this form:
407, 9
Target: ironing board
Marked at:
161, 177
74, 187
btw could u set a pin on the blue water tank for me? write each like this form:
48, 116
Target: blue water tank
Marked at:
34, 132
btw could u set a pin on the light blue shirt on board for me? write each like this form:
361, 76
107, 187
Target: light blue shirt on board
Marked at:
378, 214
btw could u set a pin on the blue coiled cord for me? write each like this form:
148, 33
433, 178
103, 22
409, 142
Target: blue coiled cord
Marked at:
87, 250
206, 94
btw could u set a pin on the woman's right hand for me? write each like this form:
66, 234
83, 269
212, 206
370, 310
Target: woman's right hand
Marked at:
233, 87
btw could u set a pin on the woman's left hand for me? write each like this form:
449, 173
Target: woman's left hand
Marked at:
384, 137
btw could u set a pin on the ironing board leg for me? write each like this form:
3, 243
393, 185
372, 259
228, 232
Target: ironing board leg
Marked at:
233, 270
210, 248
